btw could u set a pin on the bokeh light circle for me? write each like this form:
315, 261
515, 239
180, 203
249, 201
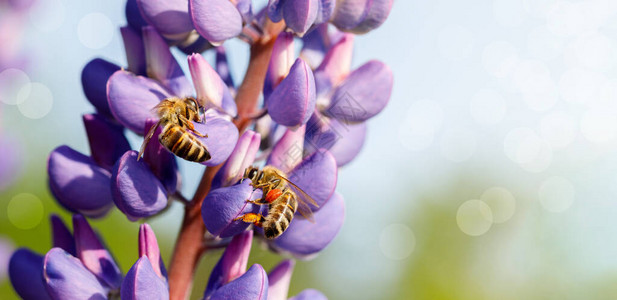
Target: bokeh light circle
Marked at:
95, 30
474, 217
559, 129
25, 211
36, 100
502, 203
397, 241
12, 81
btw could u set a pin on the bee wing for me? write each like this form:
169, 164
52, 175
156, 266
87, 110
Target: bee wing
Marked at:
303, 199
147, 139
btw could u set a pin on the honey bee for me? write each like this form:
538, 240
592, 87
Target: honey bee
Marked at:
175, 115
279, 193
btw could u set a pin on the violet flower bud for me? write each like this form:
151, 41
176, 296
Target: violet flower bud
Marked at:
94, 78
162, 66
343, 141
107, 140
279, 279
293, 101
223, 205
304, 239
93, 255
149, 247
162, 163
143, 283
212, 92
336, 65
133, 15
26, 275
216, 20
251, 285
281, 60
78, 183
299, 15
287, 152
136, 190
222, 137
363, 94
241, 158
309, 294
134, 50
67, 278
61, 235
360, 16
132, 97
232, 263
169, 17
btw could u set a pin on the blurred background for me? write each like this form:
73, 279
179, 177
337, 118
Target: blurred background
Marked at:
491, 174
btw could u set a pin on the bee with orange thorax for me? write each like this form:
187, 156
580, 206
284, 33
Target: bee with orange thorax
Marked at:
175, 115
279, 193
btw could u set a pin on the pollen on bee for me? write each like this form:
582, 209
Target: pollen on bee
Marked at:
273, 195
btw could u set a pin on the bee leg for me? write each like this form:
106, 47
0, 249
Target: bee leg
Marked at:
256, 219
191, 127
258, 202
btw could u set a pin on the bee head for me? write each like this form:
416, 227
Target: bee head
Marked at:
192, 109
251, 173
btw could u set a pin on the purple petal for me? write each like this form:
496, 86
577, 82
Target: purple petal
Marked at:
136, 191
241, 158
317, 176
68, 278
93, 255
211, 89
162, 163
94, 78
26, 275
292, 102
252, 285
343, 141
275, 10
310, 294
246, 10
225, 204
363, 94
133, 15
300, 15
232, 263
131, 99
281, 60
326, 8
134, 50
162, 66
287, 152
314, 45
78, 183
143, 283
279, 279
149, 247
61, 235
222, 67
216, 20
169, 17
222, 137
194, 43
11, 160
337, 62
107, 140
304, 238
360, 16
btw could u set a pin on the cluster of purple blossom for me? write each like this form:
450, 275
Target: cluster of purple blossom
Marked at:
311, 121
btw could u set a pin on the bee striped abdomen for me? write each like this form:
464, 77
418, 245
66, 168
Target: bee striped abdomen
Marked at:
183, 144
280, 214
